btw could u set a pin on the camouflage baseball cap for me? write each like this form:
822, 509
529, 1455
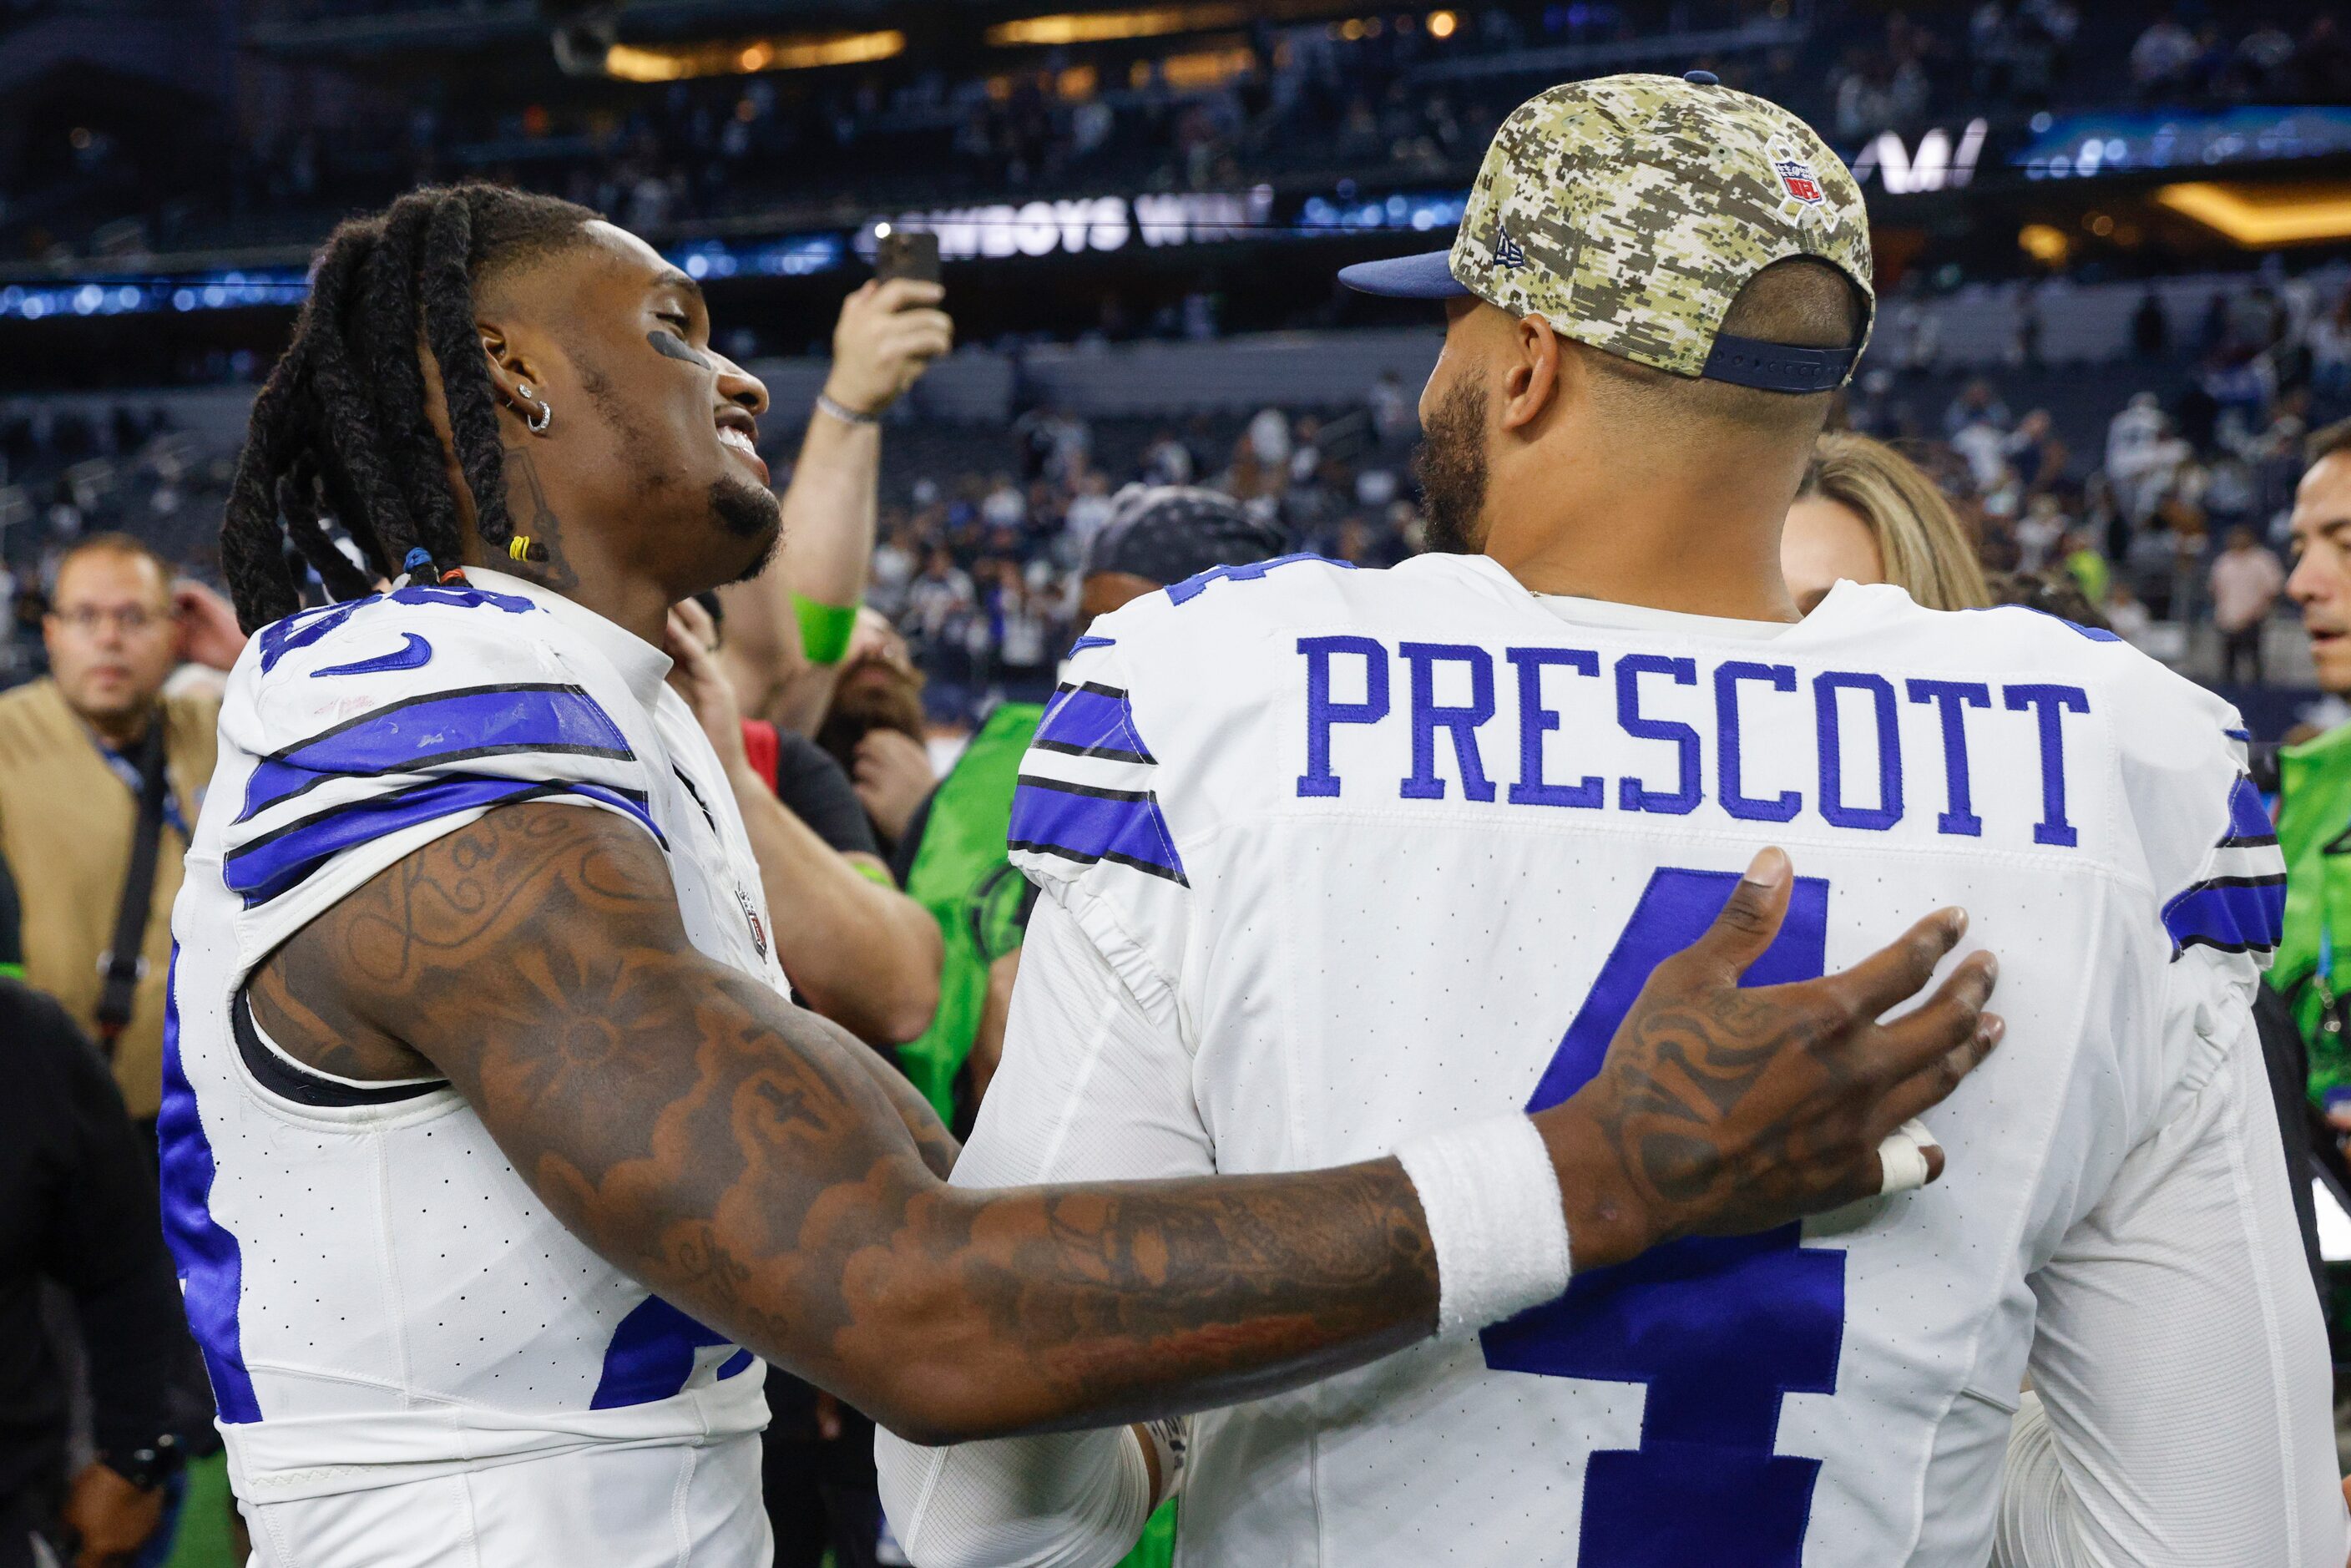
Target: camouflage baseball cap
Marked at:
1630, 211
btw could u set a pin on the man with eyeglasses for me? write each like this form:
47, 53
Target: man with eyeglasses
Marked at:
81, 752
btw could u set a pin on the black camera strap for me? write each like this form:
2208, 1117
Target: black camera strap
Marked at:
122, 964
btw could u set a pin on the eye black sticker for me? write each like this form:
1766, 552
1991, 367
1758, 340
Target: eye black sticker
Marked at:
676, 348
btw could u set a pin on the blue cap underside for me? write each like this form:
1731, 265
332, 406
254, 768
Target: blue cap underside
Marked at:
1425, 276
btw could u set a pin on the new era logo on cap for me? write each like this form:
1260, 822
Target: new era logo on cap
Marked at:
1508, 252
1796, 179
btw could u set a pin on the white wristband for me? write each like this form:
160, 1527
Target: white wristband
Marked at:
1171, 1437
1492, 1200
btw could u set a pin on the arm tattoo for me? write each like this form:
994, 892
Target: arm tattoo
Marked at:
744, 1159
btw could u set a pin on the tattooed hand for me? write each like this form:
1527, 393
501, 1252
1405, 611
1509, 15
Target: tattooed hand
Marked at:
1721, 1110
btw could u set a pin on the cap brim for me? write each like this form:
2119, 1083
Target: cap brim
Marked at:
1427, 276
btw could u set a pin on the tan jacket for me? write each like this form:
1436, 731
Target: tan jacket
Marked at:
65, 824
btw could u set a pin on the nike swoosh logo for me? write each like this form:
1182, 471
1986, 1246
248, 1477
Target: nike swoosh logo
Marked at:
408, 656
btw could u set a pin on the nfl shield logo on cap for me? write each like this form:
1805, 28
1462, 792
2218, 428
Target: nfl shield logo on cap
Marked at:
1796, 179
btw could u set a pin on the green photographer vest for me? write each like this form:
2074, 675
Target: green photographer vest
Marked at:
2312, 968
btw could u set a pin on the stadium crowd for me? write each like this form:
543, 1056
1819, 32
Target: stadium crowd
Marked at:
1385, 96
981, 537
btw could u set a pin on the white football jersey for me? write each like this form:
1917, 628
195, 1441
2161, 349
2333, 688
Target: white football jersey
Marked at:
378, 1295
1335, 858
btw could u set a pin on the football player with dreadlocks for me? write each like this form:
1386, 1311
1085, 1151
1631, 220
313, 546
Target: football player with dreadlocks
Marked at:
493, 1150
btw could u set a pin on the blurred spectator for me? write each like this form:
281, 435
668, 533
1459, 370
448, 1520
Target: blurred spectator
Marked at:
1867, 514
95, 762
2314, 782
2037, 452
862, 954
2161, 59
2133, 436
854, 948
874, 730
790, 625
2246, 581
953, 855
1977, 405
1394, 415
78, 1209
2126, 615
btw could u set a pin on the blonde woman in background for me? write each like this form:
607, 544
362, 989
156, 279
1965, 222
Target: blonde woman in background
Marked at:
1867, 513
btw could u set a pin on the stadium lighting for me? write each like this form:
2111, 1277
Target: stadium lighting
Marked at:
2046, 244
2256, 217
1107, 27
1441, 23
744, 56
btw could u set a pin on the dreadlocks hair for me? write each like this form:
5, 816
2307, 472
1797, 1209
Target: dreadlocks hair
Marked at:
339, 437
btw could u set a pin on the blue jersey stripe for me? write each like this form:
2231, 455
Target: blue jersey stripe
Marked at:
652, 1356
2234, 914
277, 861
211, 1265
2249, 817
435, 730
1092, 720
1080, 823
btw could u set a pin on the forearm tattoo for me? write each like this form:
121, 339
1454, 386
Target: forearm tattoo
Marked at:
738, 1155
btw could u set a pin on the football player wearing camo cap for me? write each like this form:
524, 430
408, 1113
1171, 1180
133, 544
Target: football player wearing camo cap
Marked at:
1406, 844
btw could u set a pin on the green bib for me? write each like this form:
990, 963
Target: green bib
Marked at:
962, 875
2314, 833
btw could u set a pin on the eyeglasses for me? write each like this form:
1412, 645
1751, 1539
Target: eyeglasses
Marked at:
131, 620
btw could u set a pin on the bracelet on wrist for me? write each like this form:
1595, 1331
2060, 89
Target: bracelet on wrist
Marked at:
840, 411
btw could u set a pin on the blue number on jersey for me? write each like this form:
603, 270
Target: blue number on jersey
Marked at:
1197, 583
1718, 1327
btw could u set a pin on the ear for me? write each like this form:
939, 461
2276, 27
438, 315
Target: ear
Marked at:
520, 392
1531, 382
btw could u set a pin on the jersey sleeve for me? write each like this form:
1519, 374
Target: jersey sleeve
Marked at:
2178, 1357
2215, 875
372, 728
2213, 857
1088, 826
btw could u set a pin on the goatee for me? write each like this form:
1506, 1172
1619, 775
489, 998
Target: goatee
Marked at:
749, 511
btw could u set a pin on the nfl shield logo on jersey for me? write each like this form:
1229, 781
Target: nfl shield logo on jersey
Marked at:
751, 919
1796, 179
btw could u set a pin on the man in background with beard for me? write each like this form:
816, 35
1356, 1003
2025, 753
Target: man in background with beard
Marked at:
874, 727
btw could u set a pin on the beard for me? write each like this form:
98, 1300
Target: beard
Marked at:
862, 705
1451, 468
746, 511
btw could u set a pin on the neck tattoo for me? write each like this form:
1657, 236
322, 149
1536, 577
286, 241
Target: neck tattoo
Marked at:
536, 519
